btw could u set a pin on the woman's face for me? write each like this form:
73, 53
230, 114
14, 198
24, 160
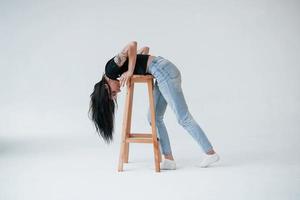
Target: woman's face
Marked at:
114, 87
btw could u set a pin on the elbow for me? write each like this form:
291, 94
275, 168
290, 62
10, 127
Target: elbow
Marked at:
133, 43
133, 46
146, 50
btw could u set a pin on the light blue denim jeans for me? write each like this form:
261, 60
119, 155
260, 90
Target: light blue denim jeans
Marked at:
168, 91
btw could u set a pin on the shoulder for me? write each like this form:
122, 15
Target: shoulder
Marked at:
120, 58
111, 69
111, 65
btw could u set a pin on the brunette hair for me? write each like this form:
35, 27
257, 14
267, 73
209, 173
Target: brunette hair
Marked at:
102, 109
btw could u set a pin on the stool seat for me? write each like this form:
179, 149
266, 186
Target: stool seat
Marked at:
141, 78
127, 136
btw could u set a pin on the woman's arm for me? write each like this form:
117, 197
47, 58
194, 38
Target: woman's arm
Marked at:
129, 51
132, 50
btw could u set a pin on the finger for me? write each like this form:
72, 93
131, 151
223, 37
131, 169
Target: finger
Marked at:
123, 81
127, 78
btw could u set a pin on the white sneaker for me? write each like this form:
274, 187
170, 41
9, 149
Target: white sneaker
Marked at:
168, 164
209, 159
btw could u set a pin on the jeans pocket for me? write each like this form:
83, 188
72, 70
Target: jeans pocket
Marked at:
171, 69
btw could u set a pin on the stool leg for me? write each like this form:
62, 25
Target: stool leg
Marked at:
153, 126
124, 150
128, 127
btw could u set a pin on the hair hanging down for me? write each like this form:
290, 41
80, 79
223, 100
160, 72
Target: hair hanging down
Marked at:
102, 110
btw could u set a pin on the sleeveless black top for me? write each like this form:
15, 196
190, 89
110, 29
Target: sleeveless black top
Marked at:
113, 71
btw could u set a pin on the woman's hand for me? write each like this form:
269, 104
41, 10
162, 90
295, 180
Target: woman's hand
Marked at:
125, 78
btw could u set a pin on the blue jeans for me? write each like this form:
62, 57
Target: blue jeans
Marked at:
167, 90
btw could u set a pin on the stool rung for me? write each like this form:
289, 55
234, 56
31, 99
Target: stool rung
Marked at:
139, 140
139, 135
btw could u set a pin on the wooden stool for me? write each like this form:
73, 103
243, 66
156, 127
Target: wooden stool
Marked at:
127, 136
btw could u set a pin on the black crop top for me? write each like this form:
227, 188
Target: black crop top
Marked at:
113, 71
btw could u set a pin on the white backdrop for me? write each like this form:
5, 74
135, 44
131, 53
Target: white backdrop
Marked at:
239, 61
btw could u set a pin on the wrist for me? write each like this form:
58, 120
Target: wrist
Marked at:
130, 71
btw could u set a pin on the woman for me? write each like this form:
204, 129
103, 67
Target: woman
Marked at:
167, 91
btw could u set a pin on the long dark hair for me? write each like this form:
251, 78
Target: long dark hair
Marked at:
102, 110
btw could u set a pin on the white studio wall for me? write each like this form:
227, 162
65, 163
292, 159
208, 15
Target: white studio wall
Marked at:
239, 61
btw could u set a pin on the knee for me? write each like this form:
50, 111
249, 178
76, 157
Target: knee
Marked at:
158, 119
185, 120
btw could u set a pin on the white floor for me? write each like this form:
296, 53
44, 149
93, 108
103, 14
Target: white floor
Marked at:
84, 168
239, 62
